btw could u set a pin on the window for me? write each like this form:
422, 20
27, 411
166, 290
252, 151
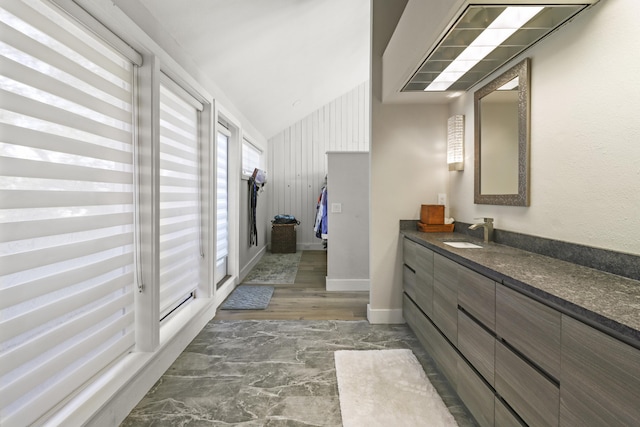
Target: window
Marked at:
251, 158
180, 244
222, 204
67, 275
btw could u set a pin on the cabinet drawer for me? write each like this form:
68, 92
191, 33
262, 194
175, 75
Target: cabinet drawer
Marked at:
445, 270
433, 342
445, 356
477, 294
409, 252
600, 383
424, 260
445, 309
530, 327
477, 345
424, 280
475, 394
534, 398
409, 281
445, 296
504, 417
424, 293
417, 323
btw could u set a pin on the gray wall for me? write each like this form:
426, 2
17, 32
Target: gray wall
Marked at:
348, 242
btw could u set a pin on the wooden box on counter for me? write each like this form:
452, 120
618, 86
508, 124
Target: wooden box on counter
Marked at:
432, 214
435, 228
432, 219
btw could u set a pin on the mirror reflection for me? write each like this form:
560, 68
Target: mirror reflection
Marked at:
502, 139
499, 136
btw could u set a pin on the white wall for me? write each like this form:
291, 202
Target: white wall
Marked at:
348, 241
585, 136
172, 51
297, 161
408, 168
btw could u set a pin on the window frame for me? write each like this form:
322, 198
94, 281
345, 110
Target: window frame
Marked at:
247, 142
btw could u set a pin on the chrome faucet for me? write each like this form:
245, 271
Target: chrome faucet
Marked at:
488, 228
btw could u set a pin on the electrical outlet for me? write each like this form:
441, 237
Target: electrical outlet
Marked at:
442, 198
336, 207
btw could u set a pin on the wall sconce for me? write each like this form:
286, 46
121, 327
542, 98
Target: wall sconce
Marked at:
455, 142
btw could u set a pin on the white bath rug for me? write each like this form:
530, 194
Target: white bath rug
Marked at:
387, 388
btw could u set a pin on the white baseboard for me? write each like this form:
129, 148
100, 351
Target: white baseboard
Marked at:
252, 263
384, 316
347, 285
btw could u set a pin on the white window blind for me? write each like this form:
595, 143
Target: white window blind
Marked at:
250, 158
222, 198
179, 196
66, 208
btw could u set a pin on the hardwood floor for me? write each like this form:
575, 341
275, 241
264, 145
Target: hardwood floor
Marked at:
306, 298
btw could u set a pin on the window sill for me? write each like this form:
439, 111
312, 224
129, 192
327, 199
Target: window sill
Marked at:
111, 396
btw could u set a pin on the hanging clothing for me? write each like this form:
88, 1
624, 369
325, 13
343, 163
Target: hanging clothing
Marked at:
321, 226
253, 202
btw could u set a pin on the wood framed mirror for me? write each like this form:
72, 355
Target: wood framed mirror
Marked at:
501, 149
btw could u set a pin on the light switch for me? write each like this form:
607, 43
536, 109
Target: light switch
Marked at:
336, 207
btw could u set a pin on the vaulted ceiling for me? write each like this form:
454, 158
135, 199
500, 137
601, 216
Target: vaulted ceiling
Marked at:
276, 60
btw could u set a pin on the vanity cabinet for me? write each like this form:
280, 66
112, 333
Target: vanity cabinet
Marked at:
409, 281
477, 346
530, 327
532, 396
445, 296
409, 249
513, 360
418, 275
477, 296
424, 279
475, 394
503, 416
476, 321
600, 380
476, 343
432, 340
527, 361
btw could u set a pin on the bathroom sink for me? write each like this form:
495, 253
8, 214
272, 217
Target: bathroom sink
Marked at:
463, 245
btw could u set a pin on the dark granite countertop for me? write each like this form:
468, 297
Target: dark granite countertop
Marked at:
608, 302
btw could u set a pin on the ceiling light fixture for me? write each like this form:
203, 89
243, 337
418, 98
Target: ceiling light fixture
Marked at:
484, 37
503, 27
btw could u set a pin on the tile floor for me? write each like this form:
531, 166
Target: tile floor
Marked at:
270, 373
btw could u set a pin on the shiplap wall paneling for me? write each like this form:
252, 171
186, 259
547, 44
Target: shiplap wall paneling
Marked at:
297, 161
